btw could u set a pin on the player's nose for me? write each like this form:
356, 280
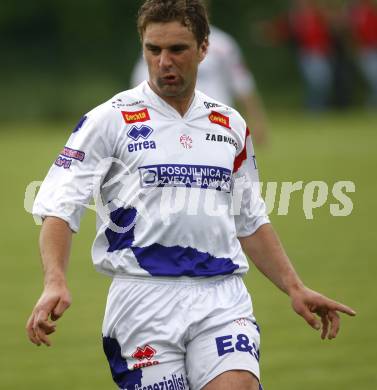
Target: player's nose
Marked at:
165, 59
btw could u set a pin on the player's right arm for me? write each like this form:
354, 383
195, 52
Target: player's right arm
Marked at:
55, 244
61, 201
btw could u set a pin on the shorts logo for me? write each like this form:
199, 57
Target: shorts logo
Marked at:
225, 344
219, 119
174, 382
67, 155
186, 141
146, 353
136, 116
242, 322
191, 176
136, 132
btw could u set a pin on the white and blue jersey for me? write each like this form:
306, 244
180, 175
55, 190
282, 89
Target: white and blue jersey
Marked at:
172, 193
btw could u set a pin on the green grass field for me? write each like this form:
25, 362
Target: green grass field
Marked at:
336, 255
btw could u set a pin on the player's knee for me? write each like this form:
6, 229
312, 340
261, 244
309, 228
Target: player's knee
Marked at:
234, 380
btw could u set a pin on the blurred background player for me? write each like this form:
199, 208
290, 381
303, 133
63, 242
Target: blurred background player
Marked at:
343, 70
224, 76
363, 23
306, 26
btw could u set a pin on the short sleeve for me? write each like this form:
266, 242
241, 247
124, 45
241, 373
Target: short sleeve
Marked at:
248, 206
68, 187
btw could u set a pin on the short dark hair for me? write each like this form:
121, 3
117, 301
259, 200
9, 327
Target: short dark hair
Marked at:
191, 13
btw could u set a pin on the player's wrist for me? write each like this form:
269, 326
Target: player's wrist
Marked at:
56, 280
295, 287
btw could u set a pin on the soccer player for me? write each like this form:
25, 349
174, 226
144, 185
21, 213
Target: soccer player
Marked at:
174, 177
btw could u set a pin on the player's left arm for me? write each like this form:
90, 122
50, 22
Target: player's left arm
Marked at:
264, 248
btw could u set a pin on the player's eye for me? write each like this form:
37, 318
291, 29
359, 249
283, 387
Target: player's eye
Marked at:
154, 50
177, 49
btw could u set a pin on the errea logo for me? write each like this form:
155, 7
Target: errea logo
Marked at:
136, 132
144, 353
145, 357
143, 132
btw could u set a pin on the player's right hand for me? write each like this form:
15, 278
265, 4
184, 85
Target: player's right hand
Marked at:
53, 302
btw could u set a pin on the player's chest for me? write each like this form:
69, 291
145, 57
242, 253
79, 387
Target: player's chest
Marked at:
168, 141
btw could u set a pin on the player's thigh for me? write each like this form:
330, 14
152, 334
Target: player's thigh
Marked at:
143, 336
149, 374
224, 350
233, 380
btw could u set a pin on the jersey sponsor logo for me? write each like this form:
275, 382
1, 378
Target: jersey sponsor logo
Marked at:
180, 175
185, 141
226, 344
62, 162
147, 353
136, 116
137, 132
221, 138
66, 156
219, 119
209, 105
72, 153
174, 382
79, 125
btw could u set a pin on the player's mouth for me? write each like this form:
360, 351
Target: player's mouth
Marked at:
170, 79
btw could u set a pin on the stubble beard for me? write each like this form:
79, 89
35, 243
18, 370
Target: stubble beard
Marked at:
175, 90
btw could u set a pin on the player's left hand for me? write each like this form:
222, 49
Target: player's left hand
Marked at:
307, 302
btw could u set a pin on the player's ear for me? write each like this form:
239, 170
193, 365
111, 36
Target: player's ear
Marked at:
203, 49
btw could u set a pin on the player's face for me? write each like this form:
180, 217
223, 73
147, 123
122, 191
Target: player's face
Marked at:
172, 55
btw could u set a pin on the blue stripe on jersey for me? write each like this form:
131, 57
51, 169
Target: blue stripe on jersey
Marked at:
124, 377
160, 260
122, 218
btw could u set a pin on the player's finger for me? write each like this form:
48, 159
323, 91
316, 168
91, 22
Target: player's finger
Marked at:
42, 336
342, 308
309, 317
48, 327
325, 326
30, 331
60, 308
40, 324
335, 324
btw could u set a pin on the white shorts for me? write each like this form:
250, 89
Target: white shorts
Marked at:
175, 334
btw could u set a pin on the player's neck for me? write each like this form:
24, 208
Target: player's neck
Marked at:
180, 103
